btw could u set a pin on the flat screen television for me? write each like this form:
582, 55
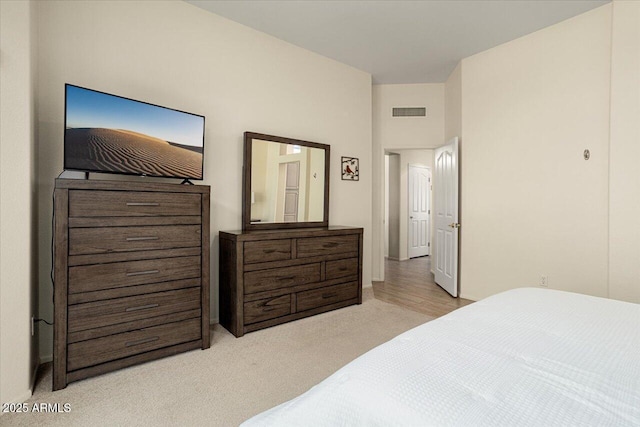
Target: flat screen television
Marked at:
112, 134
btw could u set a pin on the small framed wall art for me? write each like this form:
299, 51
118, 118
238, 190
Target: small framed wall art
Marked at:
350, 169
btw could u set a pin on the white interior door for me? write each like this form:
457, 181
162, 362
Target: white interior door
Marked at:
291, 191
419, 211
446, 216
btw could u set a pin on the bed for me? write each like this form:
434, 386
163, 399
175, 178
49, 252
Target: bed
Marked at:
525, 357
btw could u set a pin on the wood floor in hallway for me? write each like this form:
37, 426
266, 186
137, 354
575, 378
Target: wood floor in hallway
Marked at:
410, 284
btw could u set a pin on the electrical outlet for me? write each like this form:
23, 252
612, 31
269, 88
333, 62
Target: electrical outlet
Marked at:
544, 281
33, 326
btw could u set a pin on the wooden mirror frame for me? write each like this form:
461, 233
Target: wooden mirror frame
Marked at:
246, 183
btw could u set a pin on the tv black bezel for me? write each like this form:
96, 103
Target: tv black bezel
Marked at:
64, 161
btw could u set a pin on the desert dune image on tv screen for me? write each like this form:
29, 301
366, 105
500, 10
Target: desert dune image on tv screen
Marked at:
106, 133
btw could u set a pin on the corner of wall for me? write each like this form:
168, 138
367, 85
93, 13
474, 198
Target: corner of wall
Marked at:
18, 246
35, 348
624, 151
453, 104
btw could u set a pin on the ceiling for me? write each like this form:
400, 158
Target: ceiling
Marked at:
398, 41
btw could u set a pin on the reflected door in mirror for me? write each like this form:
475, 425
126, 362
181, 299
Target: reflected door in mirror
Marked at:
287, 183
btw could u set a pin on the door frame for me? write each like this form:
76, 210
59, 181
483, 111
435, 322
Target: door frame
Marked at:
378, 203
428, 195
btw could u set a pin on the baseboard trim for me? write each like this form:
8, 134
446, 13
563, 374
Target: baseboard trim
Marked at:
367, 285
392, 258
45, 359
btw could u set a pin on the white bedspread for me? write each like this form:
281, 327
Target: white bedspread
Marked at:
526, 357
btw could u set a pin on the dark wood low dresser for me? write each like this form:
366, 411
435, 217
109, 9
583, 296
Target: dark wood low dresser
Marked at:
269, 277
131, 273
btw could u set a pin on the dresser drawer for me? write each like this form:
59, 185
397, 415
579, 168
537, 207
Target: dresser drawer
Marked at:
266, 280
325, 296
119, 310
132, 203
265, 309
83, 241
317, 246
341, 268
89, 278
267, 250
100, 350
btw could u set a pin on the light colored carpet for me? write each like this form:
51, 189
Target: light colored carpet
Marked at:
233, 380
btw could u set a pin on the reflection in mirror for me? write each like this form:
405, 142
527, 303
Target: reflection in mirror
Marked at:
287, 183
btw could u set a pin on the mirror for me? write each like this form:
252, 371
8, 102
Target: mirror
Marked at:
286, 183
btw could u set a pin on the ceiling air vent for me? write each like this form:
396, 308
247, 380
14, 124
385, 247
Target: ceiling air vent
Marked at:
409, 112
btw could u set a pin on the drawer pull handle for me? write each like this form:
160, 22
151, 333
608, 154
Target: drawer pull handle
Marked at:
142, 204
142, 341
330, 245
269, 251
265, 309
141, 273
330, 295
142, 307
343, 269
137, 239
286, 278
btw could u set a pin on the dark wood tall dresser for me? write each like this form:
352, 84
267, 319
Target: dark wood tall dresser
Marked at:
269, 277
131, 274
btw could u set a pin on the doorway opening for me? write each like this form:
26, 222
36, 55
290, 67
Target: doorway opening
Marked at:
407, 203
403, 277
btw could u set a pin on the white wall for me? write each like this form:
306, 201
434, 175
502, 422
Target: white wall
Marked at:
408, 132
260, 208
624, 154
176, 55
530, 204
453, 104
18, 351
394, 206
391, 133
315, 185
